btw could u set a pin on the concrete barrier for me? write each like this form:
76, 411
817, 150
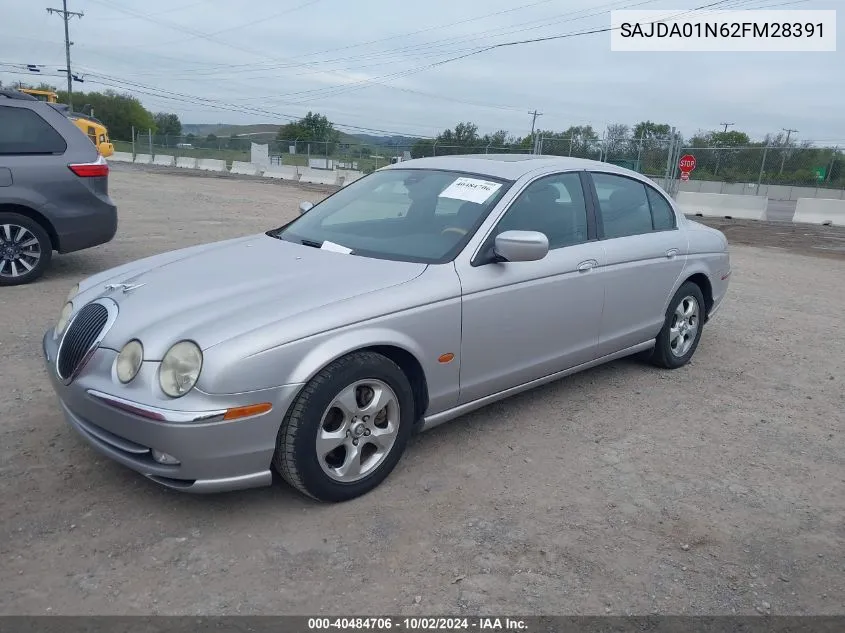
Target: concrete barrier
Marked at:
721, 205
165, 160
211, 164
710, 186
186, 162
120, 157
143, 159
778, 192
318, 176
246, 169
820, 211
349, 177
283, 172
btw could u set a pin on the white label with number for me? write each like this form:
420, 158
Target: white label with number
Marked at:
471, 190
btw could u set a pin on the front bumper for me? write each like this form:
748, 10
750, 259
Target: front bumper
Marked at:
214, 455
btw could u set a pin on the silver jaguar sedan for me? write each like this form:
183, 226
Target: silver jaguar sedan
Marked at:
423, 291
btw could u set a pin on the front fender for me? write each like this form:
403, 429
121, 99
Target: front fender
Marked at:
342, 344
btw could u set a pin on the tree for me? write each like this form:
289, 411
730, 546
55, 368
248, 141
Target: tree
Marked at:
577, 140
617, 139
119, 112
168, 124
463, 139
211, 140
314, 128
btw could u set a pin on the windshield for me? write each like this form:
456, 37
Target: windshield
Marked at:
419, 215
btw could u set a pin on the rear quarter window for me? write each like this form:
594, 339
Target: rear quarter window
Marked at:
23, 131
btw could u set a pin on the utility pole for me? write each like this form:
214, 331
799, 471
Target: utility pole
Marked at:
718, 153
534, 116
788, 131
66, 16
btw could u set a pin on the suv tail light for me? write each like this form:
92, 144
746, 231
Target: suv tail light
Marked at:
97, 169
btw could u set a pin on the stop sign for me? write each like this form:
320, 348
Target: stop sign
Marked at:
687, 163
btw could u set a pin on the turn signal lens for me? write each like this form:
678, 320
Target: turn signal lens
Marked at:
247, 411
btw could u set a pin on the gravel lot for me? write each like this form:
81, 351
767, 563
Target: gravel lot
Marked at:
715, 489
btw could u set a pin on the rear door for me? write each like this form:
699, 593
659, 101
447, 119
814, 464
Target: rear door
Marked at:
646, 253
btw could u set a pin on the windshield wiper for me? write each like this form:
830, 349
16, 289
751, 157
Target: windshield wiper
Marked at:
311, 243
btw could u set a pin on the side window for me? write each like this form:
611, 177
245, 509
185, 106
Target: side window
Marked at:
623, 205
662, 216
22, 131
553, 205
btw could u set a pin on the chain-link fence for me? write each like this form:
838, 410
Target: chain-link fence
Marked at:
724, 169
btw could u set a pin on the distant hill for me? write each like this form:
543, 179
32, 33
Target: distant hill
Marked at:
263, 132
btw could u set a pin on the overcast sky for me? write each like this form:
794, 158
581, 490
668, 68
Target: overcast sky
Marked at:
363, 63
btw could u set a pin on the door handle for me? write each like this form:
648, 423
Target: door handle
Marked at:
587, 265
671, 253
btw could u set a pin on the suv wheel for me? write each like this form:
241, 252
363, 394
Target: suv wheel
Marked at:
25, 249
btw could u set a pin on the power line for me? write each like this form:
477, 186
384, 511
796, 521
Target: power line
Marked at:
333, 91
66, 16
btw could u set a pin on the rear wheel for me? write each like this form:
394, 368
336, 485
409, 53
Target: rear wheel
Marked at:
347, 429
25, 249
682, 328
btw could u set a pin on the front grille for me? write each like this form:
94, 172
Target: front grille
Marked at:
80, 338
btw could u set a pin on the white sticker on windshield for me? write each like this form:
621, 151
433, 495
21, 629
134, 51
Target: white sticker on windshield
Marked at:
335, 248
471, 190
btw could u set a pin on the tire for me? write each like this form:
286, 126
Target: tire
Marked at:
668, 351
334, 408
15, 230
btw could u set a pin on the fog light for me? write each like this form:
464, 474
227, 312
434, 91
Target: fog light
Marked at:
164, 458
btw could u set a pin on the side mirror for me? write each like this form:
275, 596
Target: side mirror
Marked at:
520, 246
305, 207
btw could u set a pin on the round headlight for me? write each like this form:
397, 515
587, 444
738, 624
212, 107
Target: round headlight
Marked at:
73, 292
180, 369
64, 317
129, 361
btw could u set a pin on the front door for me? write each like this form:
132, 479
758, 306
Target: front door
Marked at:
525, 320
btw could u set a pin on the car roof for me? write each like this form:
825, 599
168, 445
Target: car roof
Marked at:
509, 166
17, 95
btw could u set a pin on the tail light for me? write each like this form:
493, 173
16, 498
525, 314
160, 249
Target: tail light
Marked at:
98, 169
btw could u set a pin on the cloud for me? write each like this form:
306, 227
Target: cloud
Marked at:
315, 58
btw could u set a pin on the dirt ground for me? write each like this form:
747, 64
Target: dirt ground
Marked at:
714, 489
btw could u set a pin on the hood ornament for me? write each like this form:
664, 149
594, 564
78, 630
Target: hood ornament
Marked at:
126, 288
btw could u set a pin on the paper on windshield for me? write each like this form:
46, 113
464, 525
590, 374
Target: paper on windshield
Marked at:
471, 190
335, 248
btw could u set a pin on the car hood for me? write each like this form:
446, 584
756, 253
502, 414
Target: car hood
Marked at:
211, 293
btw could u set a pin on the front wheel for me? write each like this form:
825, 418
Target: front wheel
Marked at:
347, 429
681, 331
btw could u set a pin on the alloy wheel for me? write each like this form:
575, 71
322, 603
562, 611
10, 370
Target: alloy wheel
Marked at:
685, 323
20, 251
357, 430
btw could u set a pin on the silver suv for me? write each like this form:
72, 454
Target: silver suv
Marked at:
53, 188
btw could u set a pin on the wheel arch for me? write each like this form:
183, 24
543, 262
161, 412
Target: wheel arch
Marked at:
35, 216
703, 282
393, 345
